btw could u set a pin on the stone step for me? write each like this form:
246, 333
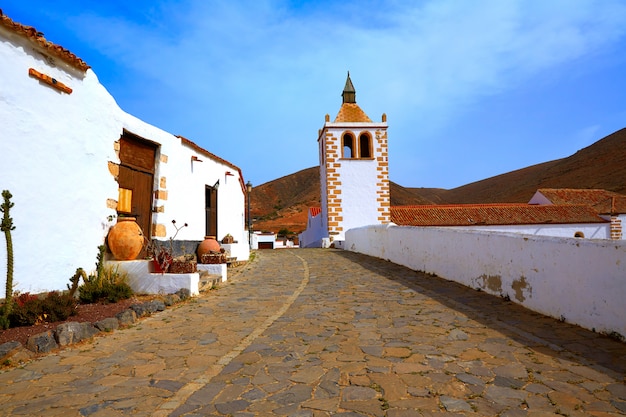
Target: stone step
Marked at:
208, 281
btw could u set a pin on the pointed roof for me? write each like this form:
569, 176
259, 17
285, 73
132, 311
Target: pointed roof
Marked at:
350, 111
349, 93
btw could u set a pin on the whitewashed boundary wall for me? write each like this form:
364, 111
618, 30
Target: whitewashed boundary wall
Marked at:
312, 236
577, 280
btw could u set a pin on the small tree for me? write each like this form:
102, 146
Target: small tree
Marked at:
6, 226
285, 232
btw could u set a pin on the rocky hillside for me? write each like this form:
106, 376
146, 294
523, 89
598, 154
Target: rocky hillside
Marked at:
600, 165
283, 204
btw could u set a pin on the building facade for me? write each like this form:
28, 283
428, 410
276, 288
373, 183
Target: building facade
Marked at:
354, 174
74, 161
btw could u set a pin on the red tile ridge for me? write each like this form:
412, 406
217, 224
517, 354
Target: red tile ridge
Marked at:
37, 37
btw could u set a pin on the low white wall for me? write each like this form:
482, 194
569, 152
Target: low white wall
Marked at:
239, 250
579, 280
142, 281
589, 230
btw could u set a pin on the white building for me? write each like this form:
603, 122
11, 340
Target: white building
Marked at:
539, 220
609, 205
562, 212
263, 240
354, 174
73, 161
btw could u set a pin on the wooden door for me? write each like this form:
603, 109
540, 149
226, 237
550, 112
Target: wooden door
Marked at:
137, 158
210, 207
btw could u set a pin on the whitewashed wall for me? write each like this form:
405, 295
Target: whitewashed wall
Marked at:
359, 192
580, 280
54, 160
359, 178
259, 237
312, 236
589, 230
55, 149
186, 183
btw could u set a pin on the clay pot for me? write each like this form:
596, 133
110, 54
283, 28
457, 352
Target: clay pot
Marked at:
207, 246
125, 239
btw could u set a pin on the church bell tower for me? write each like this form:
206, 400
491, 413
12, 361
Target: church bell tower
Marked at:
354, 169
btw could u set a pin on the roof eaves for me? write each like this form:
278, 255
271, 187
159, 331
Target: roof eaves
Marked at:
37, 38
208, 154
493, 214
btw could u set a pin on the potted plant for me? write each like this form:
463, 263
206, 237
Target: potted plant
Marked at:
163, 260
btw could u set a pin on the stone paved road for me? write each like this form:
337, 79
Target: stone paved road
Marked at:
329, 333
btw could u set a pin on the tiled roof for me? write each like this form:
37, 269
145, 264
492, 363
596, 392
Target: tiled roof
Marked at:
36, 37
492, 214
314, 211
351, 112
604, 202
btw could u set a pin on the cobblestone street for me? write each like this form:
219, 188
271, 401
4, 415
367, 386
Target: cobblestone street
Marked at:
312, 333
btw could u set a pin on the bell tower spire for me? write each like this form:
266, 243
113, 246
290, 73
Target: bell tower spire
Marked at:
349, 94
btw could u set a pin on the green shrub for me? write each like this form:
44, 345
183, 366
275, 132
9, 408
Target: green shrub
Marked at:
59, 306
30, 309
111, 293
108, 285
26, 310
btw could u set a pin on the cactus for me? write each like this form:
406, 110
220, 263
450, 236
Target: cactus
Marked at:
80, 272
6, 226
100, 258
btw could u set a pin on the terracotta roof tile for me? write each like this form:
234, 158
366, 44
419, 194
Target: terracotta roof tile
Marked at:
36, 37
314, 211
603, 201
351, 112
492, 214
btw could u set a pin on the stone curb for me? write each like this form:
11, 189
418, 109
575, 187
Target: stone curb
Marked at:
72, 332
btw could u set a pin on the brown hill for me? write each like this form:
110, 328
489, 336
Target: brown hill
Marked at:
600, 165
283, 203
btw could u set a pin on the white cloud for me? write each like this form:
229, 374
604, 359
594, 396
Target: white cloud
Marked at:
420, 62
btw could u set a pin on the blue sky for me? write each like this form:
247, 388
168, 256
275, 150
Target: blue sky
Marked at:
471, 89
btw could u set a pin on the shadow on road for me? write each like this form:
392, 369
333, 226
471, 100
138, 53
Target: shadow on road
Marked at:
536, 331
